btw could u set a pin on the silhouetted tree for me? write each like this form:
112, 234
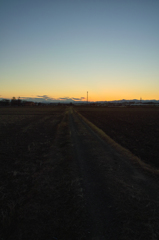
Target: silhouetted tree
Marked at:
16, 102
13, 101
19, 102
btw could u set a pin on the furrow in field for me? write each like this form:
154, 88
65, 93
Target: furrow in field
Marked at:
61, 180
24, 155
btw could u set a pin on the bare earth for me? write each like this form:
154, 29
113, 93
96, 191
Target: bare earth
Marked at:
135, 128
61, 180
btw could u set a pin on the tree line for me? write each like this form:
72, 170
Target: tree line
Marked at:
15, 102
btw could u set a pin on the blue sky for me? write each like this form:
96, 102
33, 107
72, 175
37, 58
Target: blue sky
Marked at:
63, 49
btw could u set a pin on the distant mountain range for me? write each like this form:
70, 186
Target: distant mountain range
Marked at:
75, 101
123, 101
134, 101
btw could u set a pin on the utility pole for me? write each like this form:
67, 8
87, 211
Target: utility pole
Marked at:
87, 96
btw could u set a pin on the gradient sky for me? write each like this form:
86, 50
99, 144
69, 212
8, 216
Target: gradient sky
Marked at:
64, 48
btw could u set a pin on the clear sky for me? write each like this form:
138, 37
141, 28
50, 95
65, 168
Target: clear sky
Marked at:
64, 48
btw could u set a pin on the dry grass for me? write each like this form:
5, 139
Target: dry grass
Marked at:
134, 193
42, 195
125, 152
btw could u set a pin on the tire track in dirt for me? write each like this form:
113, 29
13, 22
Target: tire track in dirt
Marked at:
76, 186
99, 202
122, 200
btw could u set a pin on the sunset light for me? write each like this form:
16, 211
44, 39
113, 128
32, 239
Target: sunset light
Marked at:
62, 49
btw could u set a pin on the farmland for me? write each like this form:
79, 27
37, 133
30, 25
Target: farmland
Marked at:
60, 180
34, 175
136, 129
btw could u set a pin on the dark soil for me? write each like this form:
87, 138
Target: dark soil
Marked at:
60, 181
136, 129
40, 190
121, 197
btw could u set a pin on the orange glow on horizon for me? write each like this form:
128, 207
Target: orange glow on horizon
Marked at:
91, 97
93, 94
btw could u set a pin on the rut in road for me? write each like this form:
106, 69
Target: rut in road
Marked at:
122, 200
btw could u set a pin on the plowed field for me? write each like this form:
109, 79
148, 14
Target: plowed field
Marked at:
136, 129
60, 180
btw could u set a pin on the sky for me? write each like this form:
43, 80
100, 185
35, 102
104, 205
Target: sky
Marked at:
60, 49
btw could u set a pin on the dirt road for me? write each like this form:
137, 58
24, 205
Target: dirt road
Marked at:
122, 200
83, 187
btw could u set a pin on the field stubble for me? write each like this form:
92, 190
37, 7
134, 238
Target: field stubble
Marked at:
39, 188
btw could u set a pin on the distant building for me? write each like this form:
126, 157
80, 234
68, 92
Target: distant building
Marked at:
28, 103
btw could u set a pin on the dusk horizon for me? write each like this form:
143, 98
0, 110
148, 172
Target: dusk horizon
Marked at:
79, 119
46, 99
62, 49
